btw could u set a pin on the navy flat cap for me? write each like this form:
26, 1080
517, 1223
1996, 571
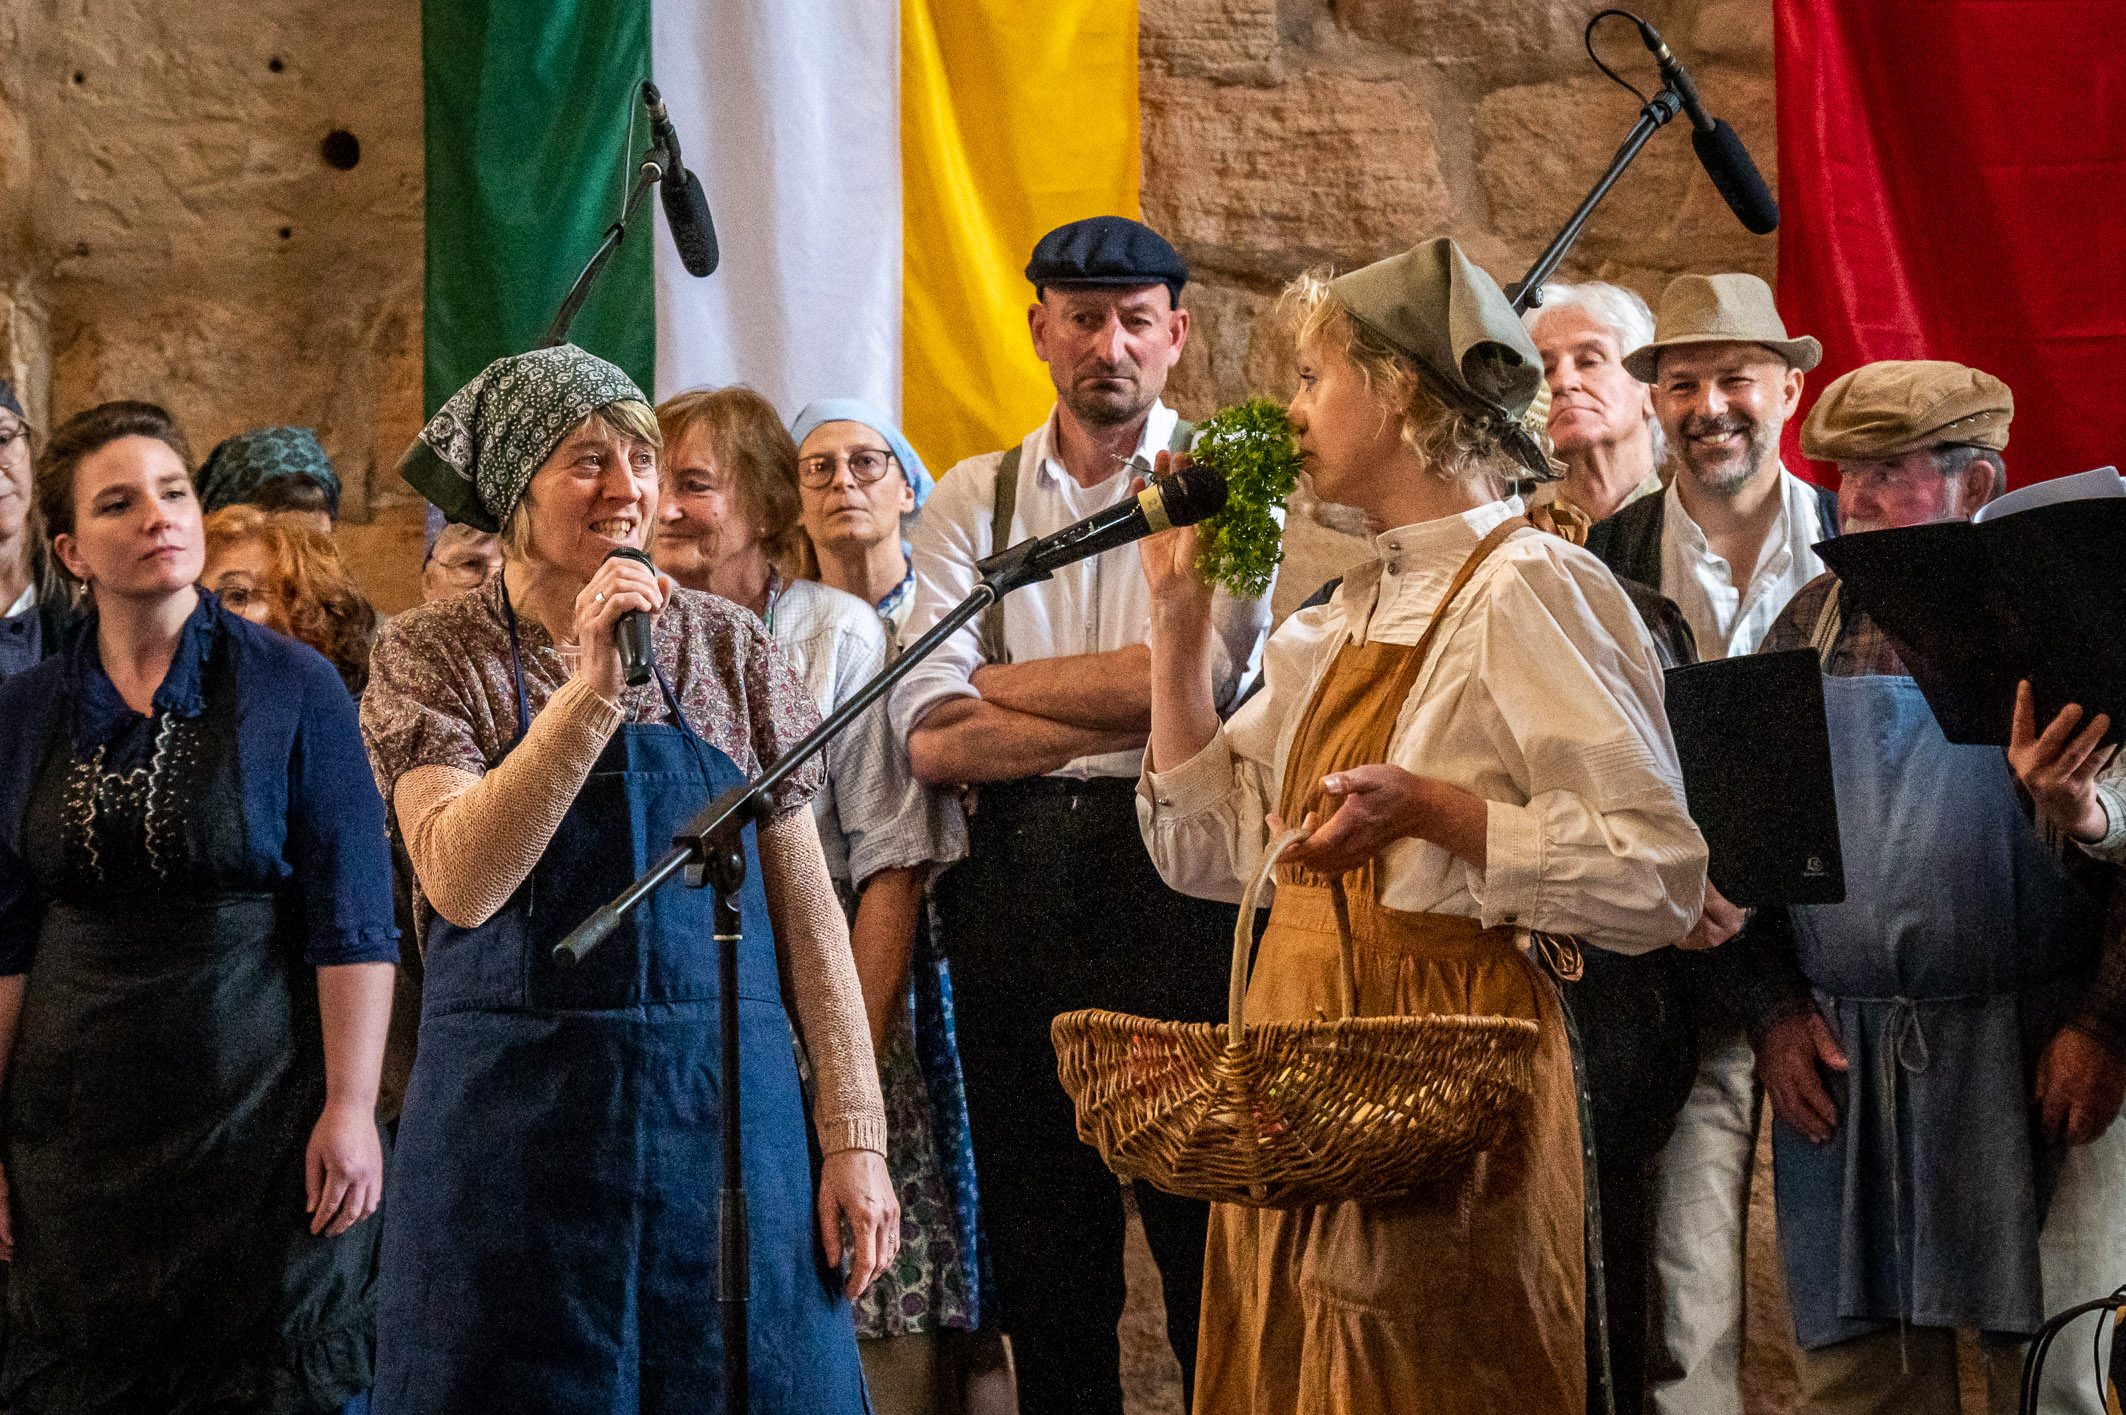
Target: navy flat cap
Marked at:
1107, 250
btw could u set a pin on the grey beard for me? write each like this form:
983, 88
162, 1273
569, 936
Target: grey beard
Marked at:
1099, 412
1761, 447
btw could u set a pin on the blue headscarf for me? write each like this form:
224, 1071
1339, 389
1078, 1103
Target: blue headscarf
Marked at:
856, 410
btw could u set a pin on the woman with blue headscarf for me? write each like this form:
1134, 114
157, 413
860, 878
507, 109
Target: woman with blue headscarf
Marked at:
858, 480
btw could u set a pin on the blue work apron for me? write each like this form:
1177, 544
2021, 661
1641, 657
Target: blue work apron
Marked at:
1959, 951
552, 1235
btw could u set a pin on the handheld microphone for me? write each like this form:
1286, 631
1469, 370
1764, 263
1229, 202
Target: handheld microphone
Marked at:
686, 209
1720, 152
1182, 499
631, 634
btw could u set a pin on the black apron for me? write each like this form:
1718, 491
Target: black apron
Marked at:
167, 1074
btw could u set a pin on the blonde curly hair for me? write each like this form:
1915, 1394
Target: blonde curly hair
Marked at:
1455, 442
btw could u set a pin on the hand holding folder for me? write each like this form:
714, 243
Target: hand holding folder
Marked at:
1975, 607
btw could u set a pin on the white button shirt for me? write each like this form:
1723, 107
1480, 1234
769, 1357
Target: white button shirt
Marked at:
1728, 620
1093, 606
1542, 695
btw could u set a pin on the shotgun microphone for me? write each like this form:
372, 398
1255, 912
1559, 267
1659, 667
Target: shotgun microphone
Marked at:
1720, 152
631, 632
1180, 499
686, 210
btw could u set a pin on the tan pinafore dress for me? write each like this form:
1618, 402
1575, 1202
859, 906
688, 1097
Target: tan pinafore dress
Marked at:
1464, 1300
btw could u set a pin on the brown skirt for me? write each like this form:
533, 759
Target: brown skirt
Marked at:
1469, 1300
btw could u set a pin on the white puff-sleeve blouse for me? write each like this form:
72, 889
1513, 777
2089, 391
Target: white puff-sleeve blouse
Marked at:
1542, 695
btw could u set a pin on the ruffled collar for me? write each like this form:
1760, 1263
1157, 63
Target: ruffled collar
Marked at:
100, 713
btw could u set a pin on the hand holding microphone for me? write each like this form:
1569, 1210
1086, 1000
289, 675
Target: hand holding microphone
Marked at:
615, 614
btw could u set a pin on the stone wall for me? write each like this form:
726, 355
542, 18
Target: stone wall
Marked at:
1281, 134
218, 207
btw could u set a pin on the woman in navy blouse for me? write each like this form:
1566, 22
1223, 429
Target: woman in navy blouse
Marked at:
196, 949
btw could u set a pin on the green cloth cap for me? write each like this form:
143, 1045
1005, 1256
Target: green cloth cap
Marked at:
1435, 306
482, 448
233, 470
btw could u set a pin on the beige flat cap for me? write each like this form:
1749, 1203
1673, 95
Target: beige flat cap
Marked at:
1720, 309
1436, 306
1884, 410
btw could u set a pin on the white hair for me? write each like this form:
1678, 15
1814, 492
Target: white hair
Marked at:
1623, 314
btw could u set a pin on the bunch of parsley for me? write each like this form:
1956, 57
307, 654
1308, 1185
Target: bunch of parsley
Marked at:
1250, 445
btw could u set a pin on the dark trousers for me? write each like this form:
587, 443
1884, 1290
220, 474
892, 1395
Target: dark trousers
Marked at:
1638, 1023
1057, 907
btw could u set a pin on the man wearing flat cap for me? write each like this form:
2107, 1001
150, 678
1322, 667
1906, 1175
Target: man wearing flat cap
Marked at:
1932, 1044
1044, 707
1729, 542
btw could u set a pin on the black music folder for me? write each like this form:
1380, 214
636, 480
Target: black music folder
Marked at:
1974, 607
1756, 758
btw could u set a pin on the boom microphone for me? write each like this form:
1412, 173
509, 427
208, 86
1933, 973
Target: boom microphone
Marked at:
686, 210
1720, 152
1181, 499
631, 633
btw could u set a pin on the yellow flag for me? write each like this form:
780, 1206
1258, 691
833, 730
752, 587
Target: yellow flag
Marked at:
1016, 116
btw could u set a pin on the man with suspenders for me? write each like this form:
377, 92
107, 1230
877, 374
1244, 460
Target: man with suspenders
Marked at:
1042, 709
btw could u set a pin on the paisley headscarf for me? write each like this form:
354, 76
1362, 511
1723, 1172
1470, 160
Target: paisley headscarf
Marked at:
482, 448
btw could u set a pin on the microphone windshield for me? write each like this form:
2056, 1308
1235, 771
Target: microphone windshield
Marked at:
1191, 494
1728, 163
686, 211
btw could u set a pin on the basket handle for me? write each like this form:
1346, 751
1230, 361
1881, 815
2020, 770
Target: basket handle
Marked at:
1244, 940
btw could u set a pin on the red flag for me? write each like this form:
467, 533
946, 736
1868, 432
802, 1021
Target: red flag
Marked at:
1952, 181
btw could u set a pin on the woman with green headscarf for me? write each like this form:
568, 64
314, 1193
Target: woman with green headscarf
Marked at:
1459, 770
553, 1247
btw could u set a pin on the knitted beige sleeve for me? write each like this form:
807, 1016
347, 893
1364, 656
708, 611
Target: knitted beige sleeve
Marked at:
813, 937
474, 839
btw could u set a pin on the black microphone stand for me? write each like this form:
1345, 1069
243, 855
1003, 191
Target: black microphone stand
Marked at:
710, 849
654, 163
1527, 292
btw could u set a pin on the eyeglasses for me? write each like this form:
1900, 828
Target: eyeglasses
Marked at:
866, 464
13, 440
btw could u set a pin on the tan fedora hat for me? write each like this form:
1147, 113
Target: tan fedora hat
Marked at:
1720, 309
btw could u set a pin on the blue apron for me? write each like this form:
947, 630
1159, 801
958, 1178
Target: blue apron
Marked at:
1959, 951
551, 1246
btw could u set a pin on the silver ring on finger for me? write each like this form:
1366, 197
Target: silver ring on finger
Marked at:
600, 598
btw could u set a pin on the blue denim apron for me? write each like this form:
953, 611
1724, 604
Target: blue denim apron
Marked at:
552, 1244
1957, 954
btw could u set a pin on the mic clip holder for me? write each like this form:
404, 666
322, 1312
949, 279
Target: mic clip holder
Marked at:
655, 163
1660, 110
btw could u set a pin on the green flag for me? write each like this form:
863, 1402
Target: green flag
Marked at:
530, 155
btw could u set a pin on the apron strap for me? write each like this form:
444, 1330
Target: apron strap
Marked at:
516, 659
1829, 625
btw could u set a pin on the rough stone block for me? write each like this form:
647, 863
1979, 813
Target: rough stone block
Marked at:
1466, 30
1234, 41
1739, 31
1271, 180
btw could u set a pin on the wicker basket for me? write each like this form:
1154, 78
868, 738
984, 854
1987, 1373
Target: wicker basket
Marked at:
1288, 1114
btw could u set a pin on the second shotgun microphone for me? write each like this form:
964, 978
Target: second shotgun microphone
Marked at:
631, 633
686, 210
1182, 499
1720, 152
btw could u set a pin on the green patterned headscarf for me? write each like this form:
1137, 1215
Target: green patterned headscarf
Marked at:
481, 449
234, 469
